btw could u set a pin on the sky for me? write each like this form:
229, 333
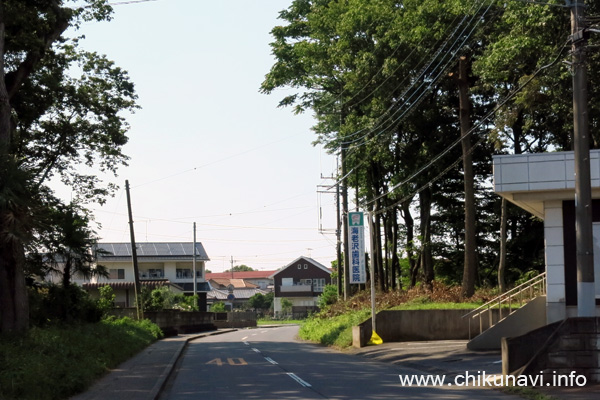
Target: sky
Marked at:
206, 146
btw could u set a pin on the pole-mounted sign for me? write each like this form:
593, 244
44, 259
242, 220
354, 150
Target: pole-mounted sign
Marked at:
356, 248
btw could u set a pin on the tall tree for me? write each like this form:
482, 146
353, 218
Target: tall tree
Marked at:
470, 263
51, 122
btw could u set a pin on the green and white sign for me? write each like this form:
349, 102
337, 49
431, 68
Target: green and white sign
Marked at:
356, 247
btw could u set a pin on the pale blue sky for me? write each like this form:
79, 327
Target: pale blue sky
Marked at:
197, 66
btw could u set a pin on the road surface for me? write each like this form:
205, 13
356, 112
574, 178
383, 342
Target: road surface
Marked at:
269, 363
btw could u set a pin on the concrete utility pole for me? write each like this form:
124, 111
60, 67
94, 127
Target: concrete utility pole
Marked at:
136, 274
338, 233
586, 302
345, 224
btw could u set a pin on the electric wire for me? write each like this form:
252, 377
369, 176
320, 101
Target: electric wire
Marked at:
428, 84
456, 142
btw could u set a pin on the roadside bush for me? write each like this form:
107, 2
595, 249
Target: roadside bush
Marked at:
57, 304
218, 307
328, 297
335, 331
106, 302
57, 362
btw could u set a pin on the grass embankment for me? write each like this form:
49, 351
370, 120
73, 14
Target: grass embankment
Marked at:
57, 362
333, 325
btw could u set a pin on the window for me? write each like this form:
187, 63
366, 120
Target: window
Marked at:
305, 266
116, 273
299, 266
155, 273
319, 284
184, 273
287, 281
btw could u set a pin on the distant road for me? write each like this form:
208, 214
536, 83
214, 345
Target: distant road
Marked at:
269, 363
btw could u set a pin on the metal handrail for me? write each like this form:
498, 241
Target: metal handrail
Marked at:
507, 297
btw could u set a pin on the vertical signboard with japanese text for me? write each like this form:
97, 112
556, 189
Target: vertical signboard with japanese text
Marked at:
356, 247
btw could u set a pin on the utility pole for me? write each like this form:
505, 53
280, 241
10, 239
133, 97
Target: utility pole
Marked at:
338, 232
586, 302
231, 267
345, 225
194, 267
136, 275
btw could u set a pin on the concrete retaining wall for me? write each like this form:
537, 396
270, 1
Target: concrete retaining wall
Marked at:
244, 319
527, 318
173, 322
414, 325
572, 345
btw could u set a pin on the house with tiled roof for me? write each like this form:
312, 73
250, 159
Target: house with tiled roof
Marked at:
262, 279
232, 291
159, 264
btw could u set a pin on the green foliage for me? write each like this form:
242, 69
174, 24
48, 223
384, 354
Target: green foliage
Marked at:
185, 303
286, 306
329, 296
369, 70
241, 268
261, 301
67, 244
55, 304
334, 331
106, 302
218, 307
163, 298
57, 362
65, 108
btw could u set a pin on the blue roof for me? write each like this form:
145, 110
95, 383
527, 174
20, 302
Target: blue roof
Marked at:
164, 250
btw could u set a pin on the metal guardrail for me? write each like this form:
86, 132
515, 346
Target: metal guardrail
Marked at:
522, 294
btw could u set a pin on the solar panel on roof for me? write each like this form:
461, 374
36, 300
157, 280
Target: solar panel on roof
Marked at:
154, 249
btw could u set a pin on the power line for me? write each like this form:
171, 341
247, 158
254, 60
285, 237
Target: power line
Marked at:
428, 85
479, 123
121, 3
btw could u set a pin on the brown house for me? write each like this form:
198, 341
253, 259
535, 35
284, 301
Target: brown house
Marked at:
302, 282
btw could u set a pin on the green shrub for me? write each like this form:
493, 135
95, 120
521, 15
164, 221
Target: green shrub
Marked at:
335, 331
218, 307
57, 304
57, 362
106, 302
328, 297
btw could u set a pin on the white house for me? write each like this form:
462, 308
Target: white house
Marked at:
159, 264
544, 185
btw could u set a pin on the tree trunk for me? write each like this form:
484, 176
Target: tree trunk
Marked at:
409, 223
14, 307
396, 271
14, 304
66, 278
378, 251
502, 262
470, 267
426, 258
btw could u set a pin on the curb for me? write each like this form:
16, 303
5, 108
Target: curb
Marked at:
162, 380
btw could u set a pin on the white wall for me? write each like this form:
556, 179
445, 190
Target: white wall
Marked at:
555, 261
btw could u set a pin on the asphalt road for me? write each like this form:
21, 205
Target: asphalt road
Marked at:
270, 363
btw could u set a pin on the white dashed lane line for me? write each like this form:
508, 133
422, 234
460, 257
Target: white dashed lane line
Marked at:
297, 379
